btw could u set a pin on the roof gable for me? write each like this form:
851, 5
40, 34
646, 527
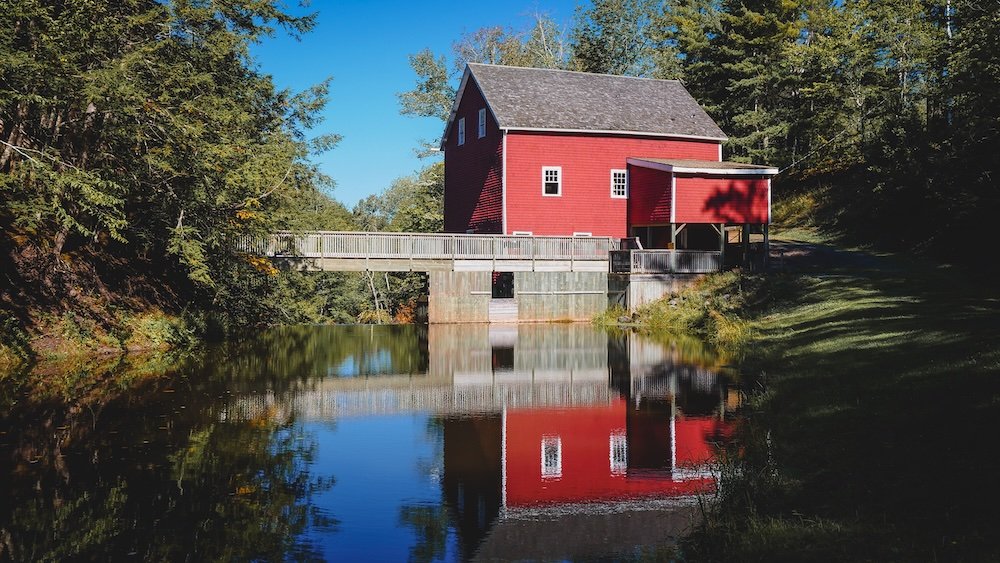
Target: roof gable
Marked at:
559, 100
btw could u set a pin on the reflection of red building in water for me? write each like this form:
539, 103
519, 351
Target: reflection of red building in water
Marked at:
606, 453
618, 454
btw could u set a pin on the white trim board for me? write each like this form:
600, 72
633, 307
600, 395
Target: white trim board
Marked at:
709, 171
503, 181
616, 132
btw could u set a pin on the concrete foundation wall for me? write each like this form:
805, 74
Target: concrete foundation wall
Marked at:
465, 297
458, 297
558, 296
635, 290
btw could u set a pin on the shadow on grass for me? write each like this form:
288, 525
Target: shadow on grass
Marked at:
874, 438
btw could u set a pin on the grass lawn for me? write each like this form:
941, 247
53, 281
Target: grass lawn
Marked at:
875, 430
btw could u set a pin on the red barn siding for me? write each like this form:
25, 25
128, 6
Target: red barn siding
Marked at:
473, 172
586, 204
649, 197
721, 199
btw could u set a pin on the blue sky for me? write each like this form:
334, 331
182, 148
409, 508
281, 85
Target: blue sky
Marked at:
364, 47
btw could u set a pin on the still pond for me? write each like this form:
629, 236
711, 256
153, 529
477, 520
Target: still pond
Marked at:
448, 442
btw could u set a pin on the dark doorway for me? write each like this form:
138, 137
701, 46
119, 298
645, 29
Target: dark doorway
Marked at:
503, 285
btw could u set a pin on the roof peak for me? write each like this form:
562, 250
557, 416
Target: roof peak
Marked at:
545, 99
589, 74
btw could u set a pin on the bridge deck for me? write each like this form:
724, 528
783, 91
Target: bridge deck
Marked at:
427, 252
376, 251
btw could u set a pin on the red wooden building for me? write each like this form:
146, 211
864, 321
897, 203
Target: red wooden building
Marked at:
551, 152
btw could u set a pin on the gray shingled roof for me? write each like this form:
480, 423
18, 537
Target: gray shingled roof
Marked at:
533, 98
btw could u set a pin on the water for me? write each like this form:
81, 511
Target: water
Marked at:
377, 443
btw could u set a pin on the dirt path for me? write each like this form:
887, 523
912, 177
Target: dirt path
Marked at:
797, 256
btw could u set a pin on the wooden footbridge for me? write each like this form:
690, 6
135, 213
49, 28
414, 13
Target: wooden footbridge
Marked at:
498, 278
428, 252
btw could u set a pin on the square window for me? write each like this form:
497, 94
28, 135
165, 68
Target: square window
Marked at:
619, 183
552, 180
461, 131
482, 123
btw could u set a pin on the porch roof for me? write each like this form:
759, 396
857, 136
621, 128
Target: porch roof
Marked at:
684, 166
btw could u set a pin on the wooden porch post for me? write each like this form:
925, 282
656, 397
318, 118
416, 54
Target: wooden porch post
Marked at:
745, 240
722, 244
767, 245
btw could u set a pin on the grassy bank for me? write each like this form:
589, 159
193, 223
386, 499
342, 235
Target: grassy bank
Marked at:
873, 405
719, 309
873, 435
74, 337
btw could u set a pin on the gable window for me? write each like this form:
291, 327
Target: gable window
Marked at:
552, 180
619, 183
461, 131
482, 123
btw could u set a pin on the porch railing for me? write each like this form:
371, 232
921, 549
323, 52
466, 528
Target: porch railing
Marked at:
377, 245
665, 261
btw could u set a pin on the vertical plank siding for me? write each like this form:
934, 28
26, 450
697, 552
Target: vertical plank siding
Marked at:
665, 261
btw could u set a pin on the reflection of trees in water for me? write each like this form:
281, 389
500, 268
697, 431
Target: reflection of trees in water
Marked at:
430, 524
150, 473
285, 357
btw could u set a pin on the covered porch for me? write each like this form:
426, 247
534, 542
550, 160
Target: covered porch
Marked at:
693, 216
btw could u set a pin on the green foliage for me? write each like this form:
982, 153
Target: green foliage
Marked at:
713, 308
15, 343
540, 45
432, 97
143, 128
614, 37
412, 204
155, 330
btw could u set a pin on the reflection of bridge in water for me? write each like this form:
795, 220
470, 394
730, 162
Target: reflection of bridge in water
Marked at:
488, 368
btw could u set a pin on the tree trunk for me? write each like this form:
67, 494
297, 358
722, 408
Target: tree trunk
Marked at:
59, 241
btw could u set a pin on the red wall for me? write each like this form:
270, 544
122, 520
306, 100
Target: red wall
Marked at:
473, 172
721, 200
586, 467
586, 204
649, 200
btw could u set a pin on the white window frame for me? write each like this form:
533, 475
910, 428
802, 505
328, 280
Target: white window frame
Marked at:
559, 180
461, 131
482, 122
623, 172
618, 444
552, 471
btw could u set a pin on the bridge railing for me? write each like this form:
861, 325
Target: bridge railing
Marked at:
665, 261
330, 244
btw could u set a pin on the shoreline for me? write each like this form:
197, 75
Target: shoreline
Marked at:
866, 368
